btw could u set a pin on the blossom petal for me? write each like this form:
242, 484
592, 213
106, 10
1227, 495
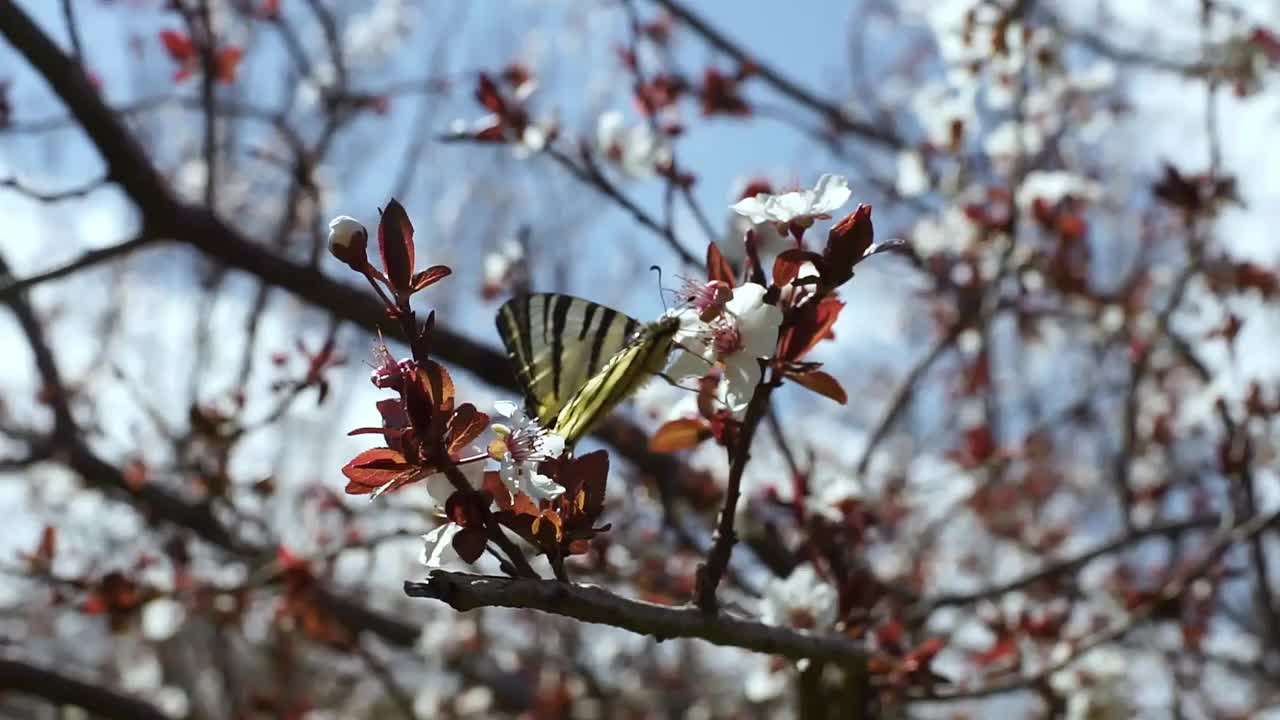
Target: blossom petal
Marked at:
551, 445
508, 409
753, 208
688, 366
437, 545
831, 192
541, 487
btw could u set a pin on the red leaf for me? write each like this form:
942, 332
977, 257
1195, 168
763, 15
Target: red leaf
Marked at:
226, 63
786, 267
488, 95
821, 383
376, 468
430, 276
812, 324
42, 558
395, 242
178, 45
847, 243
469, 543
681, 434
718, 268
979, 444
1004, 648
465, 425
585, 479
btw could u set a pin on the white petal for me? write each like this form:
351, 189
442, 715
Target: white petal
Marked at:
541, 487
608, 129
753, 208
688, 366
831, 192
437, 545
789, 206
741, 375
161, 618
439, 488
745, 298
551, 445
508, 409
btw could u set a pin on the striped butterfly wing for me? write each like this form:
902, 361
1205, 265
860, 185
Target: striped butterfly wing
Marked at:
556, 344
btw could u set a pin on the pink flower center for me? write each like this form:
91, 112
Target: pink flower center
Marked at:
726, 339
704, 296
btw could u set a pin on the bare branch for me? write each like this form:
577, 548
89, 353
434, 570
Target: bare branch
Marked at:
87, 260
59, 690
596, 605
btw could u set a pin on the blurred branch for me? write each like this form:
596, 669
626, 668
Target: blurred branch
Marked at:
88, 259
588, 173
905, 392
1071, 564
830, 111
52, 197
1170, 592
592, 604
60, 690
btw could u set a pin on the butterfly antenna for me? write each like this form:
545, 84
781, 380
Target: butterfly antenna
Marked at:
658, 270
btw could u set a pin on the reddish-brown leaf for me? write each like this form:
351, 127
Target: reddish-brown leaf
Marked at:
430, 276
548, 528
465, 425
583, 470
488, 96
375, 468
1004, 649
681, 434
821, 383
40, 560
718, 268
786, 267
812, 324
847, 243
395, 242
226, 64
469, 543
492, 484
178, 45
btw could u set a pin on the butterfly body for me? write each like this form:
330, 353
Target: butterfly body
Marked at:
576, 360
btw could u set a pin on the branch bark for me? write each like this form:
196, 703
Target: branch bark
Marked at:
59, 689
592, 604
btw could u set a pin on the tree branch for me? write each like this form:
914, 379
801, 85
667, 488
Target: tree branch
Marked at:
58, 690
592, 604
831, 112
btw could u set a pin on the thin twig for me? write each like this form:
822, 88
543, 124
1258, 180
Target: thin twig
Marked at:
710, 572
87, 260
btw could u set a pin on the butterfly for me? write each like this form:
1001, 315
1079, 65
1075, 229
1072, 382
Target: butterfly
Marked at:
576, 360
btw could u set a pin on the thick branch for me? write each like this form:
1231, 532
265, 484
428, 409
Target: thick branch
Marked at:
60, 690
593, 604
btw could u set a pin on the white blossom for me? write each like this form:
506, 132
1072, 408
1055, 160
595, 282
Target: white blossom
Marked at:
525, 444
637, 150
344, 231
1053, 186
437, 545
830, 193
745, 331
801, 600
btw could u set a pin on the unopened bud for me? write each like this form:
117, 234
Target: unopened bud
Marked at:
349, 241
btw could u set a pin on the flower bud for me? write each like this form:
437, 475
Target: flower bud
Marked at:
349, 241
